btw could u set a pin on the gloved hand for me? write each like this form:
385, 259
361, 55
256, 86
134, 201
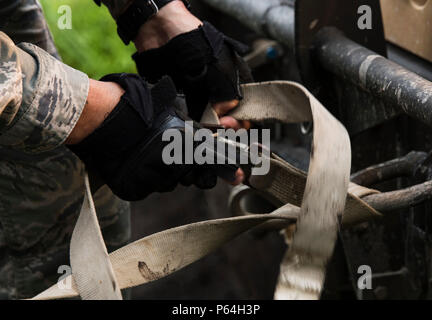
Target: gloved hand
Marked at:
126, 150
204, 64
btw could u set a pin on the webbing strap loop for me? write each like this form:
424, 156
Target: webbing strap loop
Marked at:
315, 201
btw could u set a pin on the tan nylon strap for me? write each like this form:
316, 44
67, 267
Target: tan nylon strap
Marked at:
356, 210
92, 269
163, 253
302, 270
285, 184
321, 196
278, 101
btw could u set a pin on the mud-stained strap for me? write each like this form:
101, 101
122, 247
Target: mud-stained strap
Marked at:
315, 201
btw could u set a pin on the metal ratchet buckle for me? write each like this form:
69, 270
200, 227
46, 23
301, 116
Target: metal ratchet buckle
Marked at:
225, 171
212, 127
250, 152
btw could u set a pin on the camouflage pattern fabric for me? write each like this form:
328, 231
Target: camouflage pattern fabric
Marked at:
41, 181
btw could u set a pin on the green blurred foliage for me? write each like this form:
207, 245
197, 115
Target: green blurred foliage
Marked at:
92, 45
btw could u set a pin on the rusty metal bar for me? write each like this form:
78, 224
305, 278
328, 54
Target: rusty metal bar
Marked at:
375, 74
272, 18
405, 166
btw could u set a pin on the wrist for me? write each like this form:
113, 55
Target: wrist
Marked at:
101, 100
171, 21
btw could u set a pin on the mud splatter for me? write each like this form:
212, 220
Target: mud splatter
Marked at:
150, 275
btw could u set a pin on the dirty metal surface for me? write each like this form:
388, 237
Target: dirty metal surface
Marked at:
311, 16
400, 90
397, 247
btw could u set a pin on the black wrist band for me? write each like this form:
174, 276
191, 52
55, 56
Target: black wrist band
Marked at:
138, 13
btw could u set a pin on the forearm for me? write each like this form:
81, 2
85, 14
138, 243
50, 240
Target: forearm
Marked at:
101, 100
171, 21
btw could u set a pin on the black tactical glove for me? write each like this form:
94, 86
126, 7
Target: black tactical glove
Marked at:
126, 150
204, 64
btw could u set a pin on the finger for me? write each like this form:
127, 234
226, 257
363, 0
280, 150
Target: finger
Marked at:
222, 108
230, 123
240, 176
246, 124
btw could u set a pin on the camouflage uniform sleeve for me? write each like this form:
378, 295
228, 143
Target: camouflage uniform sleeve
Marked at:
41, 99
116, 7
